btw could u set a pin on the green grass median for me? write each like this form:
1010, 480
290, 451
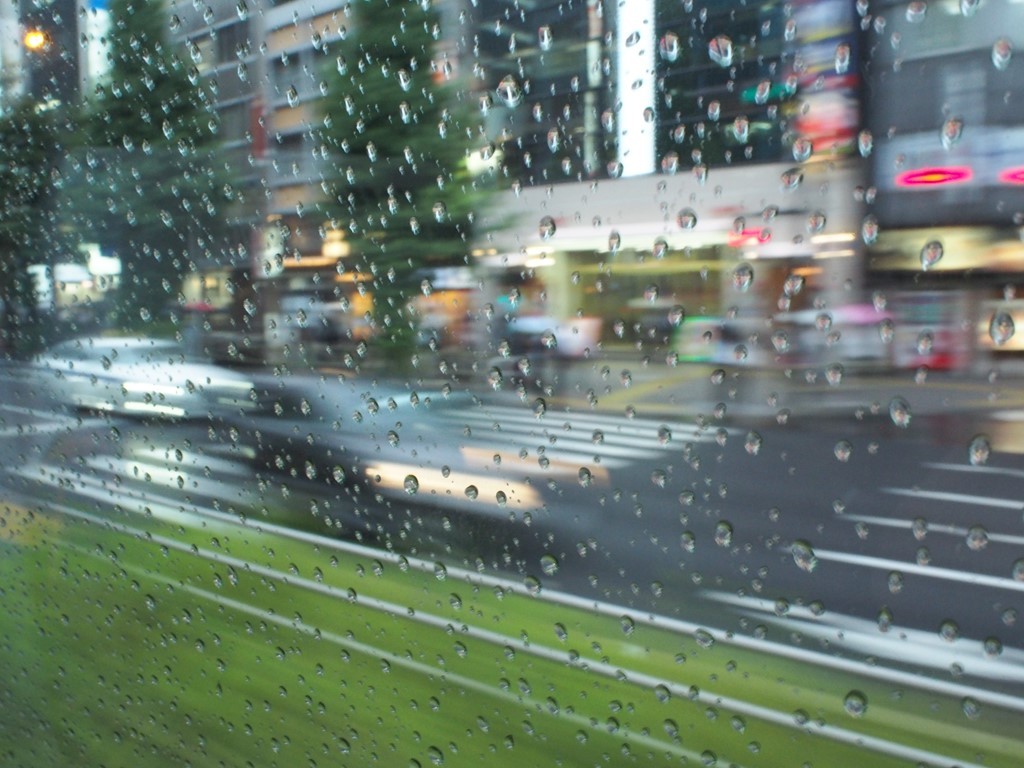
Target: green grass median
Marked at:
136, 641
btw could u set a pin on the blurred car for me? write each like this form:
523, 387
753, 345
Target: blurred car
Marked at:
140, 377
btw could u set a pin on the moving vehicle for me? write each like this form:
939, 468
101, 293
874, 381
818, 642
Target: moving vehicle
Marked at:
140, 377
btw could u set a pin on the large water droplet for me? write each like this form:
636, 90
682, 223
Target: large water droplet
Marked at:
952, 131
803, 556
720, 51
916, 11
544, 38
1001, 328
791, 178
741, 129
687, 218
899, 412
979, 450
723, 534
668, 46
855, 704
842, 59
546, 228
931, 254
411, 484
1002, 51
549, 564
509, 92
802, 149
743, 277
869, 230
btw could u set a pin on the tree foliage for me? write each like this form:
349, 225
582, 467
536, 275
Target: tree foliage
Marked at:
144, 181
30, 143
399, 136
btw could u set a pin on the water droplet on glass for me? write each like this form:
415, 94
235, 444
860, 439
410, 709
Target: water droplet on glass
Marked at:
509, 92
1001, 328
977, 538
816, 222
412, 484
843, 450
899, 412
780, 341
533, 585
549, 564
546, 228
440, 211
869, 230
949, 630
714, 110
1002, 51
741, 129
720, 51
979, 450
723, 534
743, 277
544, 39
886, 331
931, 254
855, 704
704, 638
614, 241
686, 218
753, 443
793, 285
802, 149
952, 131
969, 7
668, 47
834, 374
803, 556
789, 31
472, 492
842, 60
791, 179
916, 11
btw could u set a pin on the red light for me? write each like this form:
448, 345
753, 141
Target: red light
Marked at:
1012, 175
736, 239
927, 177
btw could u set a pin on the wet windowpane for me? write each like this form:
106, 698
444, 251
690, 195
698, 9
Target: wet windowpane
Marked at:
450, 383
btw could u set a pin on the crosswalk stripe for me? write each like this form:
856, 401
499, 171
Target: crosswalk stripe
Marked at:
502, 414
144, 477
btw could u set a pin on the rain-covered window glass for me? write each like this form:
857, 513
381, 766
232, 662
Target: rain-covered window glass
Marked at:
471, 382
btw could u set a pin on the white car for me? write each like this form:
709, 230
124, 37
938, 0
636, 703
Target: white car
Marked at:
141, 377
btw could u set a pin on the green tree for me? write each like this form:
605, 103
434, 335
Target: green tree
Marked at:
144, 181
30, 146
399, 136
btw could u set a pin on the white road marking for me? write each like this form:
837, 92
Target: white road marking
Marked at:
982, 469
933, 572
952, 530
958, 498
900, 644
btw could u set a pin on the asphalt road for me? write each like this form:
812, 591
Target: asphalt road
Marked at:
859, 519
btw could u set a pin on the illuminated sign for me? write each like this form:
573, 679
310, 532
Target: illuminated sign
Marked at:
1012, 175
927, 177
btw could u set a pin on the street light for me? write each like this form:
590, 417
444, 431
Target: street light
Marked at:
36, 40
